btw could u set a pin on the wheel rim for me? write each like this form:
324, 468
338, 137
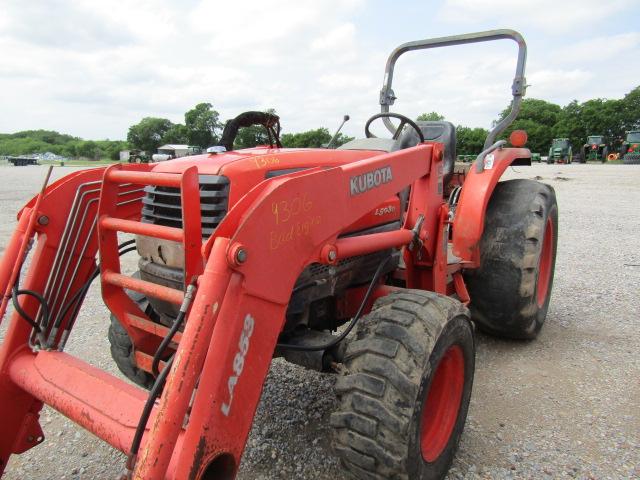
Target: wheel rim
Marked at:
442, 404
546, 258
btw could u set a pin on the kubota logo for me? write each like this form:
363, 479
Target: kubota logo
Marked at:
369, 180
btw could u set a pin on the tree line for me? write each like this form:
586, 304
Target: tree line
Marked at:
42, 141
202, 127
543, 121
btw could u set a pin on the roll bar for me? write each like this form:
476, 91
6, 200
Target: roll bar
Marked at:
387, 97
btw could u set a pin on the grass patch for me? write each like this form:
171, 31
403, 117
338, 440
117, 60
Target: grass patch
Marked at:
80, 162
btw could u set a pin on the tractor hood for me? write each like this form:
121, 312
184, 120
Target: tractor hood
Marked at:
247, 168
263, 159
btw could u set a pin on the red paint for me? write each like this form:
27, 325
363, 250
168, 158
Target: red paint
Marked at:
284, 224
546, 262
476, 192
441, 404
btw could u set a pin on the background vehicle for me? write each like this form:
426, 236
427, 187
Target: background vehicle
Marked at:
171, 151
22, 161
560, 151
138, 156
630, 150
272, 251
595, 149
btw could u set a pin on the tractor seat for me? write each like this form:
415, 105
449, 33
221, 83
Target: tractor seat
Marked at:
441, 132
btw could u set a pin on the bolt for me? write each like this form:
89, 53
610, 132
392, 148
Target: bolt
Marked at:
332, 255
241, 255
43, 220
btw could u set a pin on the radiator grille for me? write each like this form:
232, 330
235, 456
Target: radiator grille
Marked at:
163, 205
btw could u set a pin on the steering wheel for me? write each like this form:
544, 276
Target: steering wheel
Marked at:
403, 121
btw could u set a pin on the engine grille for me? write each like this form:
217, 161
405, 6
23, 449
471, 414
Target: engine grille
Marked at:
163, 205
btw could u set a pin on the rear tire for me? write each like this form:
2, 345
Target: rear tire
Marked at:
404, 399
510, 291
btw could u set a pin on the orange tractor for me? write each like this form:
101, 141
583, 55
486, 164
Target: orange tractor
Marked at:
372, 261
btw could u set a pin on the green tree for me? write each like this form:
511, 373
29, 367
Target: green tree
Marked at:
177, 133
341, 139
430, 117
89, 149
309, 139
593, 117
469, 141
111, 148
538, 118
249, 137
203, 125
148, 133
630, 110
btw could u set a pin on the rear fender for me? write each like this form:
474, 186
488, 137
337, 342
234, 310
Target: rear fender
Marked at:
477, 189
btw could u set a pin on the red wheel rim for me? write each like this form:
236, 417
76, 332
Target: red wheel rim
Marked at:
442, 404
544, 269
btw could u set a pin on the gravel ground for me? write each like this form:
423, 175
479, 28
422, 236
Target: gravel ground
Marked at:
564, 405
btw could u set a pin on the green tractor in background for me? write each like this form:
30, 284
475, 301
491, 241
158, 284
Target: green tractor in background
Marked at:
595, 149
560, 151
630, 150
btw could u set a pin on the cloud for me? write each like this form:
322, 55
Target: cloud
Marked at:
600, 48
551, 16
58, 24
92, 69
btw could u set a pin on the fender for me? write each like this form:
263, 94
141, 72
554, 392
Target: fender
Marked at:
477, 189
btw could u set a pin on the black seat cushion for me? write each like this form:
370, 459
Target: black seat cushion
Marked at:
442, 132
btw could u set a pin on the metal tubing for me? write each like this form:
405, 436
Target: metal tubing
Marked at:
10, 259
364, 244
143, 178
150, 289
138, 228
101, 403
387, 97
26, 239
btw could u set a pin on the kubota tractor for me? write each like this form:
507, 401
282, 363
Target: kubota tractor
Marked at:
630, 149
372, 261
595, 149
560, 151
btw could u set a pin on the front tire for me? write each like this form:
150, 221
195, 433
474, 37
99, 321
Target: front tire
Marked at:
404, 399
510, 292
122, 350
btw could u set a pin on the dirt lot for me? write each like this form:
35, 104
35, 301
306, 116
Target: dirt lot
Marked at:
565, 405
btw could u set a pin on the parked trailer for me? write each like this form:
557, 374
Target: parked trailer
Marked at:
22, 161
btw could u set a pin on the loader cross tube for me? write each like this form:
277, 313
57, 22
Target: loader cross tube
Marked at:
387, 97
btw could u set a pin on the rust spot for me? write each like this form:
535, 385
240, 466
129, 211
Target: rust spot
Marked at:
198, 457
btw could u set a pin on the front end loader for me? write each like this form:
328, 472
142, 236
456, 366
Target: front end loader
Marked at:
372, 261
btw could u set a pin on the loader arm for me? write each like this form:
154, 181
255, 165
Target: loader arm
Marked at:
244, 280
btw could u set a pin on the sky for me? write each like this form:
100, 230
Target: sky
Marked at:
92, 69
